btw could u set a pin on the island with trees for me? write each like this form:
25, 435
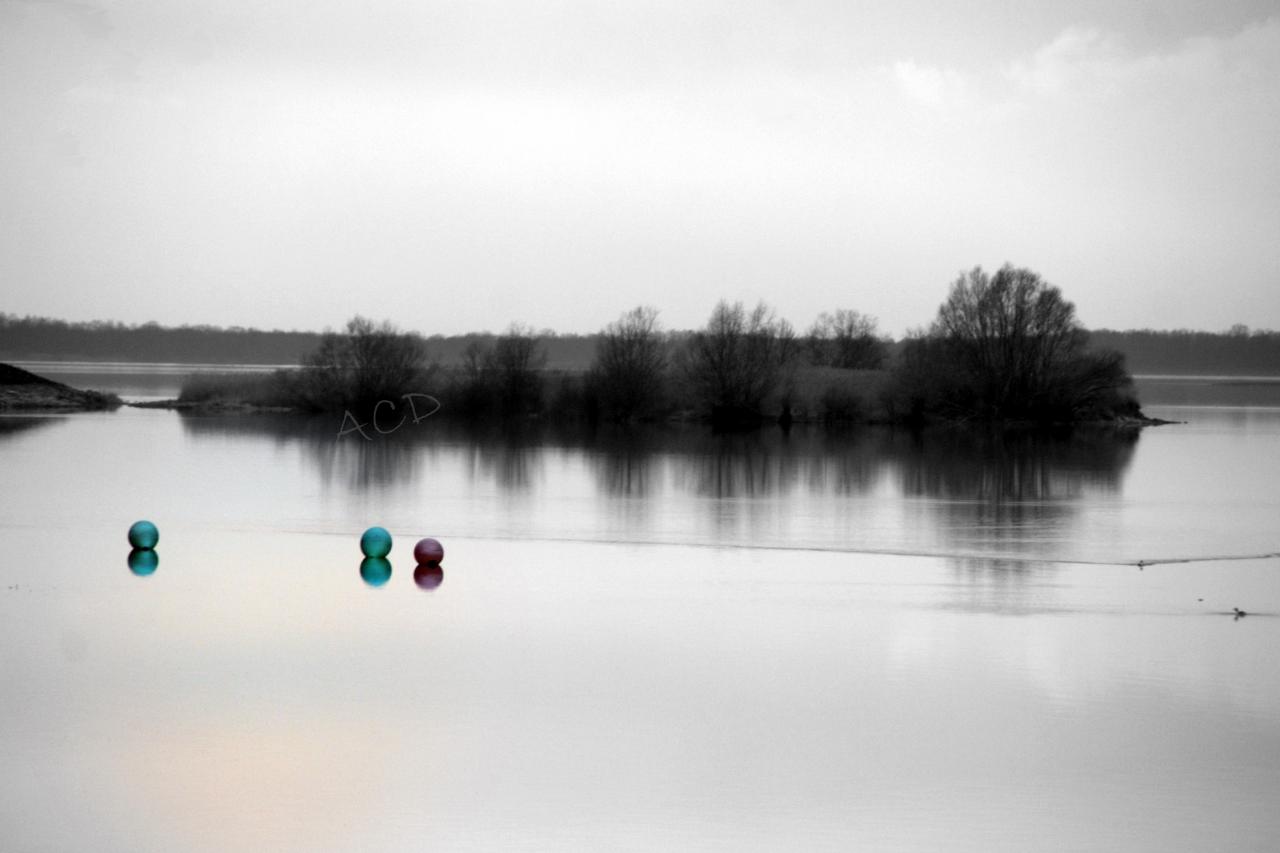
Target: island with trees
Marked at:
1005, 348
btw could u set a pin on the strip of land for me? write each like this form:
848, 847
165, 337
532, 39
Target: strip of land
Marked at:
23, 391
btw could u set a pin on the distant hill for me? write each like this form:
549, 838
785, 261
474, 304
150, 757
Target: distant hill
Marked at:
1195, 353
44, 339
1237, 353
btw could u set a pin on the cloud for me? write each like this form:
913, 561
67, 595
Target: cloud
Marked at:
1075, 56
1087, 60
929, 85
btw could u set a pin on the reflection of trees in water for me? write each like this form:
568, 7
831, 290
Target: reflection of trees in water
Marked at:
1001, 586
972, 492
350, 460
1010, 493
773, 464
996, 475
626, 460
847, 462
738, 466
995, 468
512, 457
366, 464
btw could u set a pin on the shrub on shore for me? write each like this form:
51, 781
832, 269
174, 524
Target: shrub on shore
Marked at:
846, 339
628, 380
351, 370
1008, 348
356, 369
735, 363
499, 378
268, 390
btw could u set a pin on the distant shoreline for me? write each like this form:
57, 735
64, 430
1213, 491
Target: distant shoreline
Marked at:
174, 368
45, 340
1231, 378
184, 368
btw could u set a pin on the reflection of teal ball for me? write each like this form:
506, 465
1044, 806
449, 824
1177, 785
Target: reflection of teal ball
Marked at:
376, 542
143, 561
375, 570
143, 534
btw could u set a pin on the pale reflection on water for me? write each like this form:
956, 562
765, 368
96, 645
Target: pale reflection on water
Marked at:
640, 640
947, 492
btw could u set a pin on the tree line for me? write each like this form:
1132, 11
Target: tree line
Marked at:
1004, 347
637, 371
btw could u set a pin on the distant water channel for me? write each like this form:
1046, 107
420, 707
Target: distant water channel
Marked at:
656, 639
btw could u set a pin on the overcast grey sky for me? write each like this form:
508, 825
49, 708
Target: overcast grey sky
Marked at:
456, 166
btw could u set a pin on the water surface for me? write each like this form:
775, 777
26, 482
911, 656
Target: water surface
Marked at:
640, 641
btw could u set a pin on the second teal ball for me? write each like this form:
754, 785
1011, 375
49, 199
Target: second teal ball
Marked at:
143, 534
376, 542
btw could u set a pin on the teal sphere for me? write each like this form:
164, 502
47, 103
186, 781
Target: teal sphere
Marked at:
375, 571
376, 542
143, 534
143, 562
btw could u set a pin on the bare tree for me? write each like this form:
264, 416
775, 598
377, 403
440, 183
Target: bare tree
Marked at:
735, 362
366, 363
1015, 349
514, 365
631, 365
846, 339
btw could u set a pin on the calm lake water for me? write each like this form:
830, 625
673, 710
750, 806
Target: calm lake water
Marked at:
659, 640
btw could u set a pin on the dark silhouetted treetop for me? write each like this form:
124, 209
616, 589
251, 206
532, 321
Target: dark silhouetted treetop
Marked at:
631, 366
846, 339
367, 363
1009, 347
735, 362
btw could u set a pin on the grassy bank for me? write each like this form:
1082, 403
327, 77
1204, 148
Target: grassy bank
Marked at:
246, 390
21, 390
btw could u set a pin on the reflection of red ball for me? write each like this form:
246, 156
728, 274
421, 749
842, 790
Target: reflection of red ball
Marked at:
428, 577
428, 551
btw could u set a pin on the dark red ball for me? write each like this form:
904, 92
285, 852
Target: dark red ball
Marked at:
428, 551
